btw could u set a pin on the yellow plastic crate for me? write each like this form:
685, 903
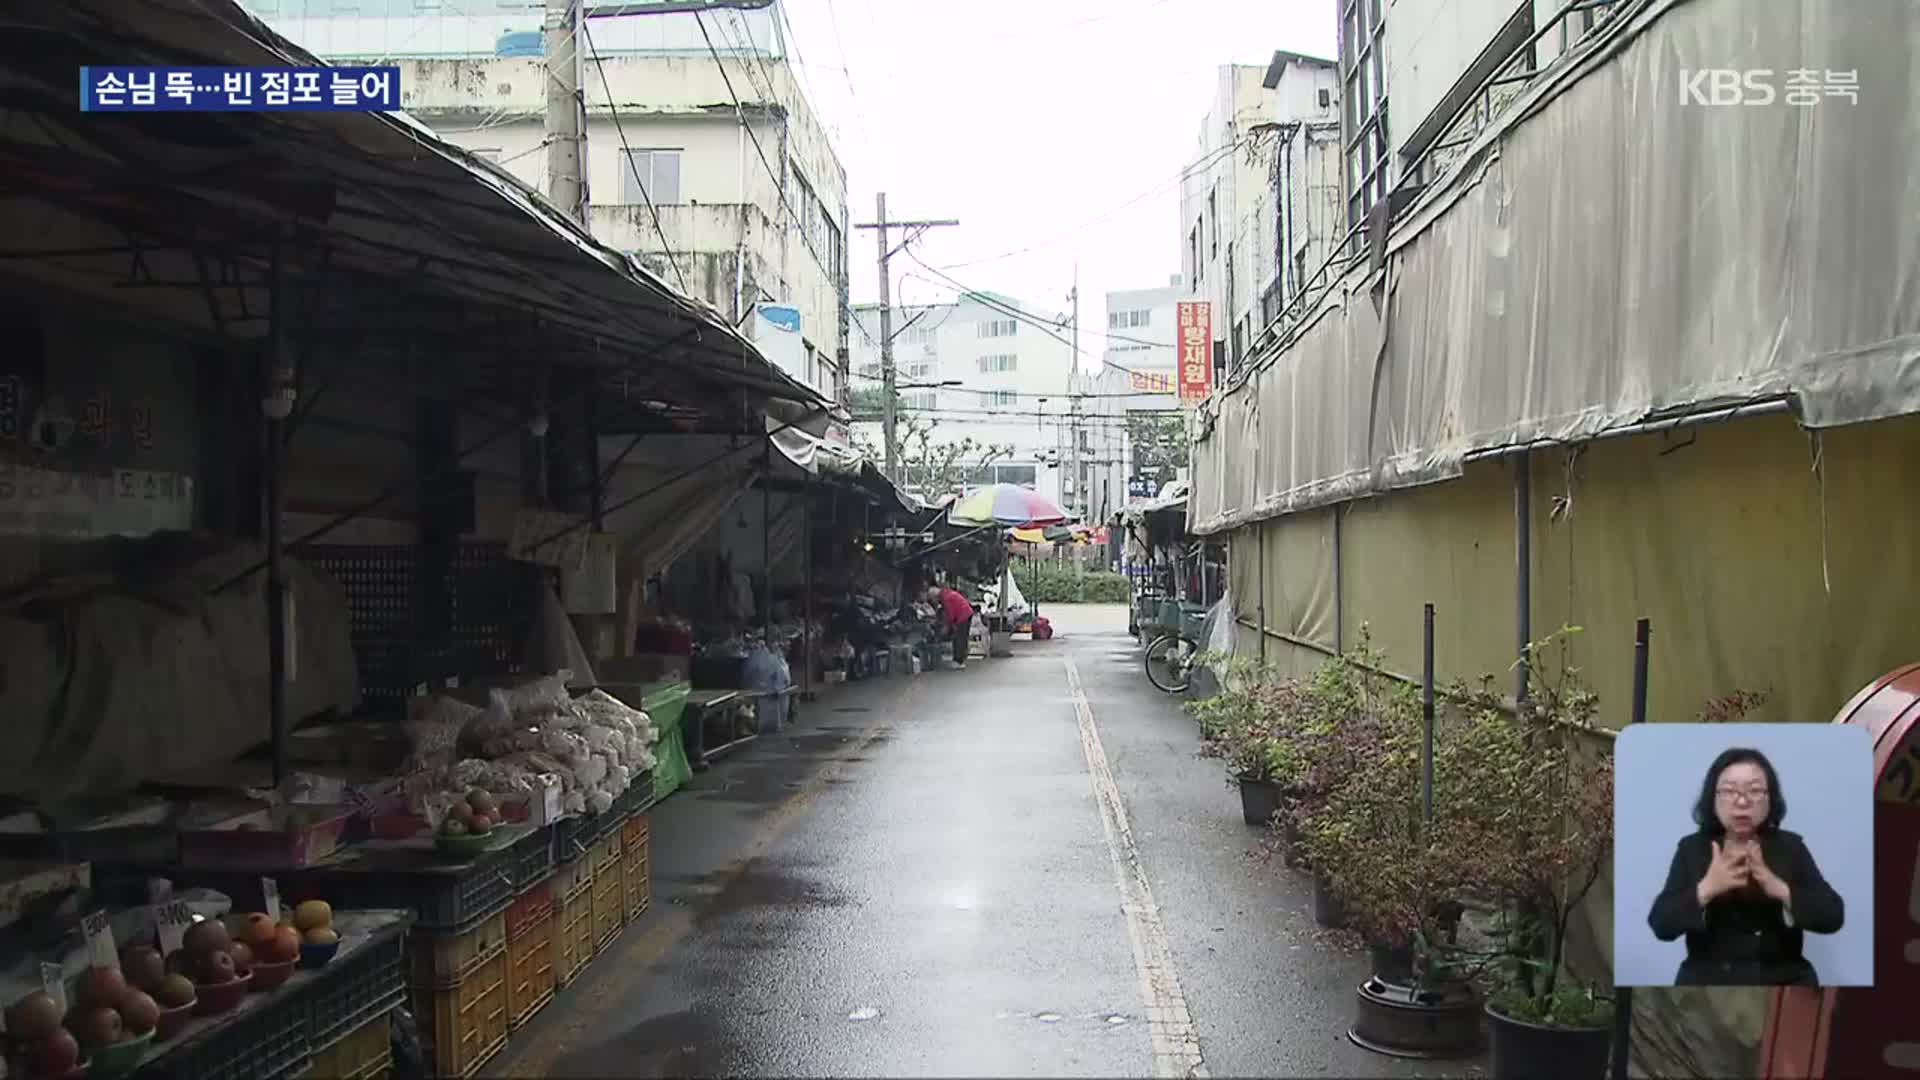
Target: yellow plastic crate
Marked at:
638, 869
609, 903
443, 959
469, 1018
573, 938
364, 1054
530, 972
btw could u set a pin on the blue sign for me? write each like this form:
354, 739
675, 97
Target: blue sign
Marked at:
239, 89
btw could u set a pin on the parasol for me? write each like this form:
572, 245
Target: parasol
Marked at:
1005, 504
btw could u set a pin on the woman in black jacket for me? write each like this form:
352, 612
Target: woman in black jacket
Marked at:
1744, 891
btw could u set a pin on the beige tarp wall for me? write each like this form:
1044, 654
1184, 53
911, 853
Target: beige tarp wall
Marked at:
1764, 556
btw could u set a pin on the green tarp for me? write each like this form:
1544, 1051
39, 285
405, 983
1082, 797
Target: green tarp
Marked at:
664, 703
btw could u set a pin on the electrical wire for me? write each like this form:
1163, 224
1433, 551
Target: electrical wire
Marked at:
621, 130
780, 188
846, 72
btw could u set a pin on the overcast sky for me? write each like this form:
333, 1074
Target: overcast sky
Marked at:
1034, 122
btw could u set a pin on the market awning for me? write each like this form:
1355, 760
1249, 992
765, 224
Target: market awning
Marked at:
399, 235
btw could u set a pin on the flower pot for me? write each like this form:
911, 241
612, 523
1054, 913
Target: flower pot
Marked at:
1328, 909
1431, 1023
1522, 1048
1259, 800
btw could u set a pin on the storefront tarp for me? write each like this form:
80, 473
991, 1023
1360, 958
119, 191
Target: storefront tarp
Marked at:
1613, 250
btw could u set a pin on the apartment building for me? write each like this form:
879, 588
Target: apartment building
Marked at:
724, 165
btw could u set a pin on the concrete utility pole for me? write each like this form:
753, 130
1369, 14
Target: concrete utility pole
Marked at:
566, 117
889, 405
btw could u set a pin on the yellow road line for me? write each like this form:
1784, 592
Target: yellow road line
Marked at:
610, 981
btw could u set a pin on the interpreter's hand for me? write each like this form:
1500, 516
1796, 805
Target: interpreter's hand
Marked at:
1770, 882
1728, 871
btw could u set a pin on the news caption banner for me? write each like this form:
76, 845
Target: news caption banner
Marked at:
120, 88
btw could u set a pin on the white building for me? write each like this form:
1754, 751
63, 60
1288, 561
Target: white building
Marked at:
750, 199
1261, 128
1133, 395
972, 369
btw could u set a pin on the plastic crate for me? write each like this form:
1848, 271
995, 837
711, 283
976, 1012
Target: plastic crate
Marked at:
609, 903
365, 1052
637, 866
469, 1018
442, 900
637, 797
531, 860
265, 1040
358, 988
525, 913
604, 853
530, 976
572, 932
445, 959
131, 844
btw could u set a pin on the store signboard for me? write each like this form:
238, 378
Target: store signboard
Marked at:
1151, 382
1195, 322
124, 502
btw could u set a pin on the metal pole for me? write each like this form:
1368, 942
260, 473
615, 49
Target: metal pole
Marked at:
1623, 996
1522, 571
766, 542
1339, 600
806, 583
888, 405
273, 466
1426, 716
1262, 608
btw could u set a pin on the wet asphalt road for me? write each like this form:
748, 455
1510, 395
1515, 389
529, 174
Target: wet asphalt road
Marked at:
916, 879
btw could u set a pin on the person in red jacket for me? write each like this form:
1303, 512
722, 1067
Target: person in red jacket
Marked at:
957, 615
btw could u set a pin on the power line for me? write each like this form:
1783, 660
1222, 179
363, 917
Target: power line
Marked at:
780, 188
621, 130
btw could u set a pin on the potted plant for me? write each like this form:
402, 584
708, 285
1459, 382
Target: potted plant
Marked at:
1539, 821
1246, 726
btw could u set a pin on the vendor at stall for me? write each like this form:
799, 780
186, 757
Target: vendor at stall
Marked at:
956, 615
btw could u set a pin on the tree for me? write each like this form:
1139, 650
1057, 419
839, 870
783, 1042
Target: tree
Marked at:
1159, 445
926, 463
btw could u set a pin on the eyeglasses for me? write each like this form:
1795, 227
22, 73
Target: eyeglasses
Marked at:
1734, 794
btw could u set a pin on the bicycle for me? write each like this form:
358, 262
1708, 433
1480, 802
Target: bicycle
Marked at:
1170, 662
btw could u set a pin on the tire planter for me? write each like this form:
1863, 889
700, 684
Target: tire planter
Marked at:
1259, 801
1328, 909
1434, 1023
1521, 1049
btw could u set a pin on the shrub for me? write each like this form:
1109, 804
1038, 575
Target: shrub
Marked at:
1048, 583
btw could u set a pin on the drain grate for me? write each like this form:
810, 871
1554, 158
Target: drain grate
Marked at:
852, 709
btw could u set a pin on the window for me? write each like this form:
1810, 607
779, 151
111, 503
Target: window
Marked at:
921, 334
1128, 320
923, 400
1193, 257
998, 362
997, 328
1023, 475
1364, 90
650, 175
1213, 222
919, 370
999, 399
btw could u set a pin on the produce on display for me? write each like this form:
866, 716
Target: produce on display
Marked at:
109, 1021
487, 759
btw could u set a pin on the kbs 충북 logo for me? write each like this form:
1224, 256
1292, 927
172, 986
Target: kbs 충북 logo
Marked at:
1801, 87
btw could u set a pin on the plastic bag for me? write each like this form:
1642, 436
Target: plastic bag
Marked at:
766, 671
542, 695
434, 725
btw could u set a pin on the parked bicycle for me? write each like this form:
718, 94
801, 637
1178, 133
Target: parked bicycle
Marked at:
1170, 662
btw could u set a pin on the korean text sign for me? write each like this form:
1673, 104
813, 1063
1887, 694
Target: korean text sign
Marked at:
1196, 349
239, 89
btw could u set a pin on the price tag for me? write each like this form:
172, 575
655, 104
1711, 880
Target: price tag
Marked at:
100, 941
270, 892
54, 982
174, 921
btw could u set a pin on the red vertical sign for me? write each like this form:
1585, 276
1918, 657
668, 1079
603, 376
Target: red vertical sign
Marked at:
1196, 349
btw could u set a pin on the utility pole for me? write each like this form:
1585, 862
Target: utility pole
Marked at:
566, 109
890, 405
1073, 400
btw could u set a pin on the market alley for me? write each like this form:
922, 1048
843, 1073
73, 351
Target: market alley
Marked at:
1017, 869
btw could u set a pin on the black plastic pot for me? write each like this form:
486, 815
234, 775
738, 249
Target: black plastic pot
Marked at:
1432, 1023
1259, 800
1522, 1049
1328, 909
